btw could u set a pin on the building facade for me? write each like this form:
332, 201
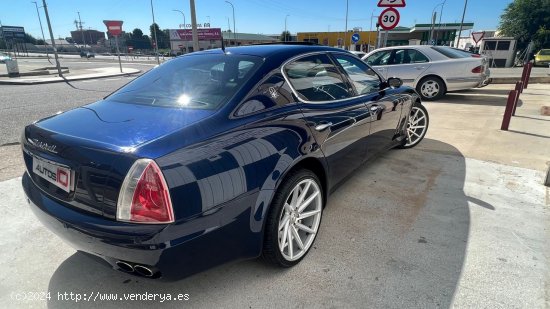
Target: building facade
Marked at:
87, 37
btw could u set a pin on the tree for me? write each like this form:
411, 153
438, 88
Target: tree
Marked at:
527, 20
138, 40
29, 39
285, 36
163, 38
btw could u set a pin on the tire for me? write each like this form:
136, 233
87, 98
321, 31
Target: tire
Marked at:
284, 221
431, 88
417, 126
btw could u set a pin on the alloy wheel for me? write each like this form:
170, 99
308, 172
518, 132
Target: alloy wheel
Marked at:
417, 126
430, 89
299, 219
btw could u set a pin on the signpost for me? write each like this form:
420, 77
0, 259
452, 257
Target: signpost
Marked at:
114, 28
477, 36
389, 18
355, 38
391, 3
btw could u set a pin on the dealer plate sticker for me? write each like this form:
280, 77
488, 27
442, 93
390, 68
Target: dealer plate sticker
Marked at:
60, 176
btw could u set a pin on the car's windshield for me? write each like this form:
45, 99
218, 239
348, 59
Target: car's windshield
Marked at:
194, 81
451, 52
545, 52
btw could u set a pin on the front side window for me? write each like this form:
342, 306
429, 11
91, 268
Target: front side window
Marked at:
194, 81
315, 78
364, 79
379, 58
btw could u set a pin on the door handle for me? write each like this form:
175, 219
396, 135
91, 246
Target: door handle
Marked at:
420, 68
375, 108
322, 126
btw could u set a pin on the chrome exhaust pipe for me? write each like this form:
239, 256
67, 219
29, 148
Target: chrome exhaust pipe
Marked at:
143, 270
125, 266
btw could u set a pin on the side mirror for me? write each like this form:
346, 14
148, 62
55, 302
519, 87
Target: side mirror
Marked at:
395, 82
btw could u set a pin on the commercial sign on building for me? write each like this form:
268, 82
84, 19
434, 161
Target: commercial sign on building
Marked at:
204, 34
10, 32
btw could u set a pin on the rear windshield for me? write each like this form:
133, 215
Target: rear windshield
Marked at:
451, 52
194, 81
545, 52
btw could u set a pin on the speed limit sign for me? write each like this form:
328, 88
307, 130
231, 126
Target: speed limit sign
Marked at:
388, 19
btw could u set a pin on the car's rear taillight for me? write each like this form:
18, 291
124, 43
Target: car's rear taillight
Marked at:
476, 55
478, 69
144, 195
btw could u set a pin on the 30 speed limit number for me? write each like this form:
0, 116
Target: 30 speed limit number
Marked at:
388, 19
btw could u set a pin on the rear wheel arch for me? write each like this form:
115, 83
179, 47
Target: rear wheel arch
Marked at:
312, 164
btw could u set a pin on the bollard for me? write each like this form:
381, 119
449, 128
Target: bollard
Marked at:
519, 87
508, 111
523, 74
528, 74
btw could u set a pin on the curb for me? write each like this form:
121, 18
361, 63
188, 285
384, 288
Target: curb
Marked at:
513, 80
62, 80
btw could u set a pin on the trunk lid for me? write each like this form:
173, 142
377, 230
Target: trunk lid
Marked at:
90, 141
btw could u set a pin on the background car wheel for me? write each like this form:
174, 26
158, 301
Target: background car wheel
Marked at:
431, 88
417, 126
294, 219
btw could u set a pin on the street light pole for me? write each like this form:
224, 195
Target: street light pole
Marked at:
346, 33
434, 18
184, 26
51, 37
42, 30
285, 26
461, 22
234, 33
156, 49
439, 27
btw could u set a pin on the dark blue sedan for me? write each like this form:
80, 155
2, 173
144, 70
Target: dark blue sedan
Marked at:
214, 156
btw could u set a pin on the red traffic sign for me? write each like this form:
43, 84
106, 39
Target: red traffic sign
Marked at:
391, 3
114, 27
477, 36
388, 19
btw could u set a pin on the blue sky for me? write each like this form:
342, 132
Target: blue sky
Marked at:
252, 16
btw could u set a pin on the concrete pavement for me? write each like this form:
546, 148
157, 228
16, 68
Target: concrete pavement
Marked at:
81, 75
459, 221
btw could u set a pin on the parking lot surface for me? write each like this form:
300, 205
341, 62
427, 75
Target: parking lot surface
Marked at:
459, 221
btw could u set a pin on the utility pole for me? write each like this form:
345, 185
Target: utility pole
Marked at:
81, 32
234, 33
155, 34
194, 26
51, 37
346, 33
42, 30
461, 22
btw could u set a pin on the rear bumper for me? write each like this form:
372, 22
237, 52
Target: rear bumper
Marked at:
175, 250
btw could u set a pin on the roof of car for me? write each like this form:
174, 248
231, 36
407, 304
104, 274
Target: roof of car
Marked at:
269, 50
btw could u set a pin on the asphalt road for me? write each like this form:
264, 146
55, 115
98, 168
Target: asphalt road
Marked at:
23, 104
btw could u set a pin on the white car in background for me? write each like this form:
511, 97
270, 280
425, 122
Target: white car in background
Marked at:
431, 70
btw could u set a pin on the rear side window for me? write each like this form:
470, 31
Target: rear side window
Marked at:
364, 79
194, 81
315, 78
450, 52
272, 91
